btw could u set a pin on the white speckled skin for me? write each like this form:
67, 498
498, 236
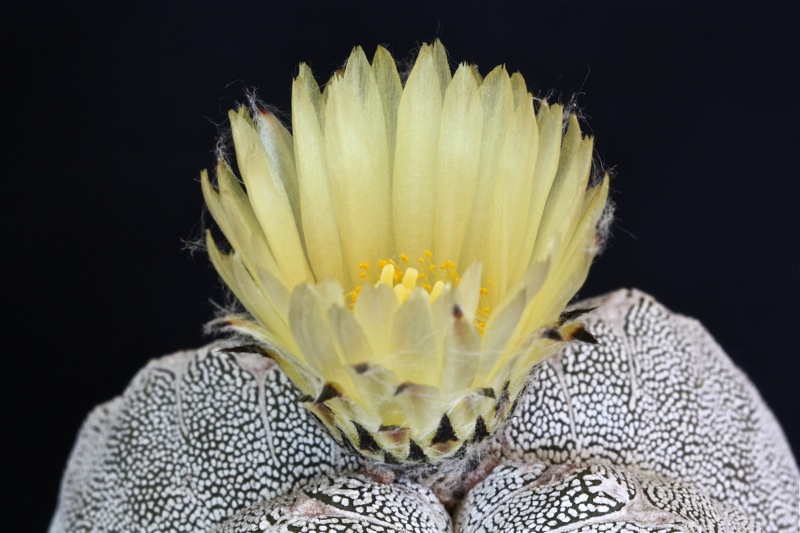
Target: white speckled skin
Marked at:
658, 396
652, 430
347, 503
537, 497
194, 438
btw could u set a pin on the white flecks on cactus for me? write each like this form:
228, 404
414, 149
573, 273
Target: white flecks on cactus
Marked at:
197, 436
519, 498
658, 395
655, 420
348, 503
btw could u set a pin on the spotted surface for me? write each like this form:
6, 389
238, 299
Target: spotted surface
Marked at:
348, 503
659, 396
657, 413
197, 436
519, 498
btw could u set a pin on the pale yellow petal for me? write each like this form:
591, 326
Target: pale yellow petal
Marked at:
358, 164
469, 290
442, 65
269, 200
457, 339
573, 266
497, 102
241, 227
330, 294
314, 338
517, 165
415, 357
295, 368
375, 311
562, 210
390, 88
320, 226
457, 163
421, 407
349, 335
249, 293
414, 193
279, 148
498, 332
377, 386
506, 331
520, 89
549, 120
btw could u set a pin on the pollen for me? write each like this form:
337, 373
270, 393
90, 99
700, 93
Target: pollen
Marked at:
403, 281
354, 294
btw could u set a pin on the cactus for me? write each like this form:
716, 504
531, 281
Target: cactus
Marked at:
652, 429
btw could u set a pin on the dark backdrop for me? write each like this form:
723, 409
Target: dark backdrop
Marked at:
115, 109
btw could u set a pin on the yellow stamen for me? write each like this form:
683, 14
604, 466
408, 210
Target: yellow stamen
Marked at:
354, 295
410, 279
387, 273
401, 293
438, 287
403, 281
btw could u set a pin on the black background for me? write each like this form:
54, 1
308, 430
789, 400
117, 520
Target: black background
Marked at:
114, 110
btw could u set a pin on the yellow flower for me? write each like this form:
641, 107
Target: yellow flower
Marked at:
406, 252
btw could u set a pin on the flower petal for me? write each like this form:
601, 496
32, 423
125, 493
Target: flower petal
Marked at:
279, 147
258, 302
415, 354
469, 289
375, 311
349, 335
358, 163
390, 88
549, 120
313, 335
459, 340
415, 155
564, 202
269, 199
497, 102
320, 227
458, 162
505, 332
515, 170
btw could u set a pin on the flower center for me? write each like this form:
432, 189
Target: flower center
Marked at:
403, 278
